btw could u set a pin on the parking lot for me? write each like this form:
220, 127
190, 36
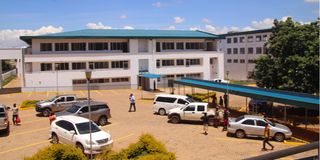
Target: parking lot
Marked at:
185, 139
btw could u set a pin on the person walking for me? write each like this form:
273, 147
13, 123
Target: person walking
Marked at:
225, 119
15, 113
214, 101
221, 101
225, 97
266, 138
132, 102
205, 121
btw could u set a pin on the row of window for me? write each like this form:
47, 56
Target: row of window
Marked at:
240, 60
82, 46
179, 45
178, 62
102, 80
188, 75
250, 50
258, 38
83, 65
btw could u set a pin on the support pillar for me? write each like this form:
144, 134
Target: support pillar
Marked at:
285, 113
1, 74
305, 118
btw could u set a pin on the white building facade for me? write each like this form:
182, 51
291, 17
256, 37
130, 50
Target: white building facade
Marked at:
241, 49
117, 57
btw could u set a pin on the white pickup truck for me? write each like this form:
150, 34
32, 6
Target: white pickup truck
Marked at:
193, 112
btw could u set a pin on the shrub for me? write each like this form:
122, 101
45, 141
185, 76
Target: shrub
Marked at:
147, 148
29, 104
59, 151
201, 97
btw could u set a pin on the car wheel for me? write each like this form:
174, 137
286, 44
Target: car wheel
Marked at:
7, 130
175, 119
103, 120
162, 111
240, 134
46, 112
54, 138
80, 146
211, 121
279, 137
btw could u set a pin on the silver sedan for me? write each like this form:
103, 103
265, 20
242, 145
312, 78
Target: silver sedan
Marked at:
249, 125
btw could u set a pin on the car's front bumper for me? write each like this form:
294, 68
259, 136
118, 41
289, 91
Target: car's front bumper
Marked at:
96, 149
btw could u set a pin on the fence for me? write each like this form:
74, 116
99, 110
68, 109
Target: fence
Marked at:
8, 74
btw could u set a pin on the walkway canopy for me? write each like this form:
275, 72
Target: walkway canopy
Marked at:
291, 98
150, 75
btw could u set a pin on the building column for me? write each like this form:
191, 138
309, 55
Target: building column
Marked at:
0, 74
221, 66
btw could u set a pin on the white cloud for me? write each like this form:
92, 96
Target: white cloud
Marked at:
172, 27
123, 16
266, 23
157, 4
206, 20
210, 28
285, 18
128, 27
178, 20
10, 37
194, 28
98, 25
311, 1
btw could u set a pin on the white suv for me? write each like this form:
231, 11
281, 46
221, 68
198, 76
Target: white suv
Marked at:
75, 130
164, 102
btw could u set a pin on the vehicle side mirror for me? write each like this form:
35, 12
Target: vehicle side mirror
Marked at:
80, 112
72, 132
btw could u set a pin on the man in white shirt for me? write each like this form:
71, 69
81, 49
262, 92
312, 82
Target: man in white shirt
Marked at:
132, 102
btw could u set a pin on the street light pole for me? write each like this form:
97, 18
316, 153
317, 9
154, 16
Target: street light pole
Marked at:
57, 80
88, 76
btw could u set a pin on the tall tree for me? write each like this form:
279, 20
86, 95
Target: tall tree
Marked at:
292, 58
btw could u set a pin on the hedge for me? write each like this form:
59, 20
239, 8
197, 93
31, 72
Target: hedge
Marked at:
58, 152
147, 148
201, 97
29, 104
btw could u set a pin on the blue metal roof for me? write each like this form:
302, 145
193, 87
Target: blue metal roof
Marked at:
150, 75
124, 33
292, 98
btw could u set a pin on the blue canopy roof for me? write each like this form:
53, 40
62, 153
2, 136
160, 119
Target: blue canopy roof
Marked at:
150, 75
291, 98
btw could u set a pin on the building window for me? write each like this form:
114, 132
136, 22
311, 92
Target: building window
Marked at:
122, 79
228, 40
79, 65
120, 64
78, 46
167, 62
46, 66
258, 38
235, 60
235, 50
45, 47
265, 37
62, 66
79, 81
180, 62
250, 38
250, 50
242, 61
229, 51
180, 46
61, 46
250, 74
100, 80
251, 61
180, 75
193, 75
158, 63
229, 60
235, 40
158, 48
192, 62
123, 46
98, 65
194, 45
99, 46
241, 39
258, 50
242, 51
167, 46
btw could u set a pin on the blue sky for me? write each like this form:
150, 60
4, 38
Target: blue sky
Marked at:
217, 16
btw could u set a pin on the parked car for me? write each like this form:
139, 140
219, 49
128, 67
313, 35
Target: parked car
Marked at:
56, 104
192, 112
4, 119
75, 130
221, 80
100, 111
164, 102
257, 106
249, 125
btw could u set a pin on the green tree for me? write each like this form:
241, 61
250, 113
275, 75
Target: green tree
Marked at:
292, 58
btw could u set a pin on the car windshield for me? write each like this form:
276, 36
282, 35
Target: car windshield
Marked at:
239, 119
52, 99
271, 123
73, 109
83, 128
189, 99
2, 115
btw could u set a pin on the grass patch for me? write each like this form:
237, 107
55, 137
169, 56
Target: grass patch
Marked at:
201, 97
28, 104
8, 80
241, 82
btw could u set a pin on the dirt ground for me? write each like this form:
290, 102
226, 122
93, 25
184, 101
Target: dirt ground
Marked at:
186, 140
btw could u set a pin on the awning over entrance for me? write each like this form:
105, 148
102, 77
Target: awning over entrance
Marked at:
290, 98
150, 75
